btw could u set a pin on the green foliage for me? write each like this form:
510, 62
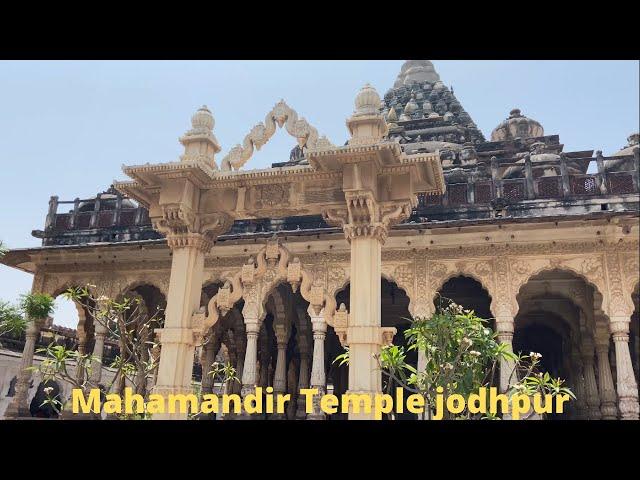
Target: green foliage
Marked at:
3, 249
126, 321
460, 349
461, 356
37, 305
343, 358
11, 320
223, 373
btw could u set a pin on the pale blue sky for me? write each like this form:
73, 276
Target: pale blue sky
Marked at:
68, 126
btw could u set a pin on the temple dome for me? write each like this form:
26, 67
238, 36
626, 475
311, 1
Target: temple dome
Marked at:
517, 126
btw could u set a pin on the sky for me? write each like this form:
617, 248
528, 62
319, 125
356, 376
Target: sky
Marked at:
67, 127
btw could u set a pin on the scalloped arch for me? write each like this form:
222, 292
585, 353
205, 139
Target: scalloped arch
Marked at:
280, 115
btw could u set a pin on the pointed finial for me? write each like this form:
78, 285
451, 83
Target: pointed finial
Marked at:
200, 144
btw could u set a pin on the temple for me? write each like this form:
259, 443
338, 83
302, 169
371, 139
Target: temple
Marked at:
278, 270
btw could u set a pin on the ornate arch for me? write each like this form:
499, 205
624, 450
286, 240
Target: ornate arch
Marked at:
281, 115
139, 282
583, 305
588, 268
59, 286
258, 278
482, 271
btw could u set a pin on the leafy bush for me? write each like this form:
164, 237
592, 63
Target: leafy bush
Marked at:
462, 355
11, 321
37, 305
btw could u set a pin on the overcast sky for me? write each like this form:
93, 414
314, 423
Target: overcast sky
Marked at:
67, 127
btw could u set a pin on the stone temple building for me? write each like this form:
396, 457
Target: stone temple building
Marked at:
281, 268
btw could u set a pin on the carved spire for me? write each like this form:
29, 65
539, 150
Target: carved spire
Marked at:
416, 71
200, 144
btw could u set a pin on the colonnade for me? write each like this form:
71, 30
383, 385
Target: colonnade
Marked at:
604, 390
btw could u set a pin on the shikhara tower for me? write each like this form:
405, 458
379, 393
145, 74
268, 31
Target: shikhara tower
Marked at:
277, 270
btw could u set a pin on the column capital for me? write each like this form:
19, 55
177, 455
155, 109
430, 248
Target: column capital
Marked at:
619, 328
186, 229
505, 326
602, 347
282, 334
252, 326
365, 217
587, 348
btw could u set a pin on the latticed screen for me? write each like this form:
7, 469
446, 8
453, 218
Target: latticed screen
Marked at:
584, 185
127, 217
620, 183
105, 219
457, 193
425, 200
63, 221
483, 193
549, 187
83, 220
513, 190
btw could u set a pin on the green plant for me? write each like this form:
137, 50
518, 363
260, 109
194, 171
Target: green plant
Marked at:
129, 323
223, 373
37, 305
461, 355
3, 249
11, 321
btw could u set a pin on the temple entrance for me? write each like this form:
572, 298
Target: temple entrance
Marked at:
285, 349
558, 318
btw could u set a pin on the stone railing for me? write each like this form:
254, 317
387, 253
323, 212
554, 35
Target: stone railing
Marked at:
537, 181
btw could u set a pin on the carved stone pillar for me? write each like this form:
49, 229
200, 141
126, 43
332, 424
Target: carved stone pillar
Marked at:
627, 387
208, 358
303, 377
98, 351
18, 406
318, 375
280, 377
591, 387
620, 311
578, 385
423, 310
364, 331
237, 387
82, 342
249, 373
605, 381
508, 374
178, 338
